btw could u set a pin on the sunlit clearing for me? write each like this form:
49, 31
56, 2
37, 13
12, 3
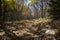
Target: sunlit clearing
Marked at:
26, 2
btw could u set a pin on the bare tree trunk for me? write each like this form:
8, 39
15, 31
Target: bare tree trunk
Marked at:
45, 10
20, 4
42, 9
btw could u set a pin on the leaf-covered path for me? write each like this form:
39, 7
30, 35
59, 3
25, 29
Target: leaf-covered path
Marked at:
24, 28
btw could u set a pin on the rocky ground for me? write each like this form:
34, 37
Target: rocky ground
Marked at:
23, 29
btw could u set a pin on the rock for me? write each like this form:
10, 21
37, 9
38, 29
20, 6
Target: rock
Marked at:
2, 33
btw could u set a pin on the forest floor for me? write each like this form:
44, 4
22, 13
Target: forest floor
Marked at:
23, 28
